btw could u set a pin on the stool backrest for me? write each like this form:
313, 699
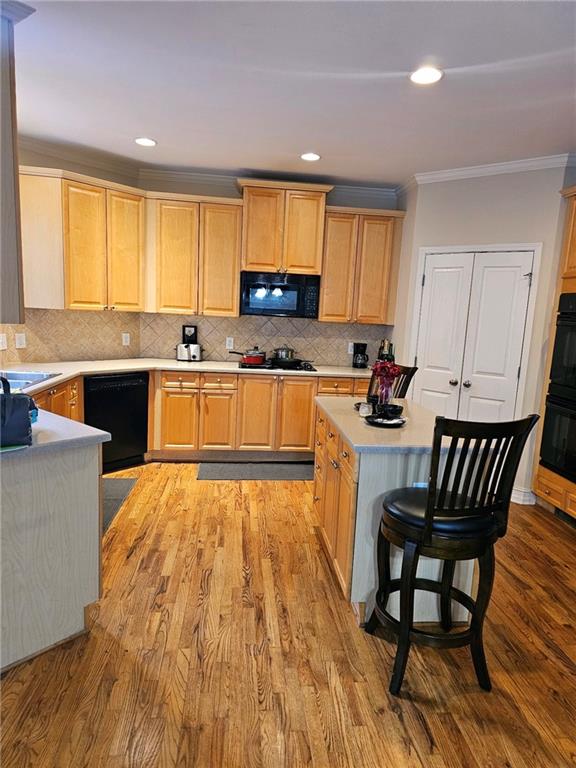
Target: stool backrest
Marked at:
401, 383
480, 466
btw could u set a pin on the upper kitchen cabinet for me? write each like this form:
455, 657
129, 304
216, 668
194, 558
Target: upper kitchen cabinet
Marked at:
219, 276
360, 273
569, 257
177, 256
84, 227
125, 229
283, 227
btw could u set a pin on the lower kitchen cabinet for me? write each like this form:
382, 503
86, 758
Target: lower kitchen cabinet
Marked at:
295, 420
343, 546
64, 400
217, 420
179, 419
256, 424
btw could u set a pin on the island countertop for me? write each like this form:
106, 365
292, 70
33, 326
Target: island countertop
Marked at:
414, 437
52, 432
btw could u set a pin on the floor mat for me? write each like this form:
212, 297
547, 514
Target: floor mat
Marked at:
114, 492
256, 471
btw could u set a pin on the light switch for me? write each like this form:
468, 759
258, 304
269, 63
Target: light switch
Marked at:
20, 340
3, 342
125, 339
229, 342
350, 347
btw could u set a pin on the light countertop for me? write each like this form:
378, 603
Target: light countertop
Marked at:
56, 432
414, 437
69, 370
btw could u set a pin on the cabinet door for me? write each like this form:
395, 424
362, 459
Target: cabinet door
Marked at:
59, 400
177, 257
76, 400
338, 268
42, 400
331, 489
217, 420
220, 232
570, 240
304, 232
84, 215
125, 217
374, 264
257, 397
295, 422
179, 420
319, 481
345, 529
263, 229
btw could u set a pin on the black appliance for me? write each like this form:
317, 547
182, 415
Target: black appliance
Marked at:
271, 293
558, 446
118, 403
280, 364
359, 356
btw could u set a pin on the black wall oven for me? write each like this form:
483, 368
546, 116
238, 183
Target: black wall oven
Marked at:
272, 293
558, 448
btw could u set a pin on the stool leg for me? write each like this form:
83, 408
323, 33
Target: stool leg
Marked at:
383, 581
448, 568
409, 566
485, 582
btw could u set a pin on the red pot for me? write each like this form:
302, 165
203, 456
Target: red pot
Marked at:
251, 356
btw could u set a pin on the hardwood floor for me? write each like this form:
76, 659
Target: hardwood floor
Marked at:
222, 640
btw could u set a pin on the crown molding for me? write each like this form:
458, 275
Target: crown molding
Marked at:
153, 178
496, 169
363, 197
15, 11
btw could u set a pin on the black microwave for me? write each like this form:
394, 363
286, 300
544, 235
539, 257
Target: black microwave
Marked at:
281, 295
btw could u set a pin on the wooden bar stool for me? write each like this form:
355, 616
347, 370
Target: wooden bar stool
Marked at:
459, 516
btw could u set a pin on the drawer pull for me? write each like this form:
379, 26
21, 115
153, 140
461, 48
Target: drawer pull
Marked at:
179, 378
218, 380
316, 498
330, 435
336, 385
547, 491
318, 442
345, 454
335, 464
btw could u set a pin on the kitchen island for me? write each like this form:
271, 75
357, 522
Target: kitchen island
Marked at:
50, 536
355, 465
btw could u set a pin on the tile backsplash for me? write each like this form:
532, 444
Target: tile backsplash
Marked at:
53, 335
61, 334
323, 343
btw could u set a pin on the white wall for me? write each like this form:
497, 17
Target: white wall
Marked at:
507, 208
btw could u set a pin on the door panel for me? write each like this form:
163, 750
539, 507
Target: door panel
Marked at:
442, 331
496, 320
256, 412
304, 232
125, 216
179, 420
373, 269
217, 420
220, 232
295, 425
337, 284
263, 229
177, 257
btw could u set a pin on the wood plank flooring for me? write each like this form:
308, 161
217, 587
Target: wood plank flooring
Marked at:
222, 640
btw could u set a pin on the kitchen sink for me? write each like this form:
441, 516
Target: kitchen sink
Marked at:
20, 380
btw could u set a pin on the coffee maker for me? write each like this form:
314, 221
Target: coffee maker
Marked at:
359, 356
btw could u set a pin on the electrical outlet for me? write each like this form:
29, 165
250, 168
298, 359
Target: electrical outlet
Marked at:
3, 342
125, 339
20, 340
350, 347
229, 342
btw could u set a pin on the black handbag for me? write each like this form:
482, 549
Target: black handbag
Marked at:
15, 418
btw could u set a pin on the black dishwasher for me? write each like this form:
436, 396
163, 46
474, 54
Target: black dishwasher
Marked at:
118, 403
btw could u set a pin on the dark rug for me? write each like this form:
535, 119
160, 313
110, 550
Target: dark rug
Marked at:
256, 471
114, 492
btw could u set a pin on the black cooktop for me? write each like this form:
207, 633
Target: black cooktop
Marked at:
285, 365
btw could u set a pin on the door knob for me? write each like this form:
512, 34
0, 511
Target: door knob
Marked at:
467, 384
453, 382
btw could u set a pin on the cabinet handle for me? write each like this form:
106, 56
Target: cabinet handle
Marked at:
344, 454
317, 466
335, 464
218, 380
318, 442
316, 498
320, 421
330, 434
336, 386
112, 307
281, 378
547, 492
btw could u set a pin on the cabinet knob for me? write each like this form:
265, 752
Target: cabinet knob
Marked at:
317, 466
547, 492
344, 454
112, 307
218, 380
335, 464
316, 498
318, 442
180, 378
336, 385
330, 434
453, 382
320, 420
281, 378
467, 384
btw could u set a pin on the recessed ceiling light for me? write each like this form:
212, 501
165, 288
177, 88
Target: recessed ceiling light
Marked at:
310, 157
426, 75
145, 142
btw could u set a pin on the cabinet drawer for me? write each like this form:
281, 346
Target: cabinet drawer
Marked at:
175, 380
571, 504
219, 381
347, 457
550, 491
361, 386
330, 386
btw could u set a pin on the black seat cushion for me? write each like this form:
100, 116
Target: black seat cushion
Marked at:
408, 506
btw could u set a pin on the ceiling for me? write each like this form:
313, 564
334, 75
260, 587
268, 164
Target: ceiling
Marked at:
249, 86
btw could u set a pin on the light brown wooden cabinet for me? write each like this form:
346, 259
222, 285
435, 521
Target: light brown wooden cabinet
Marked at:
103, 248
295, 417
569, 249
177, 228
256, 426
179, 428
283, 229
332, 385
217, 420
344, 547
219, 276
65, 399
360, 273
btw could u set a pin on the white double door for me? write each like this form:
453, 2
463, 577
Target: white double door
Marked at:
471, 333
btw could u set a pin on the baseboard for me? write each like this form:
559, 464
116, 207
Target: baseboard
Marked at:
523, 496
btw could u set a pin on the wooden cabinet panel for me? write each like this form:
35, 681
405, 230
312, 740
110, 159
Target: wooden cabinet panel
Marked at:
125, 218
295, 421
345, 528
361, 386
570, 239
220, 233
571, 504
338, 268
179, 430
219, 381
217, 420
330, 506
373, 269
42, 400
319, 478
59, 400
335, 386
177, 256
176, 380
76, 399
257, 398
263, 228
84, 216
303, 232
550, 491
